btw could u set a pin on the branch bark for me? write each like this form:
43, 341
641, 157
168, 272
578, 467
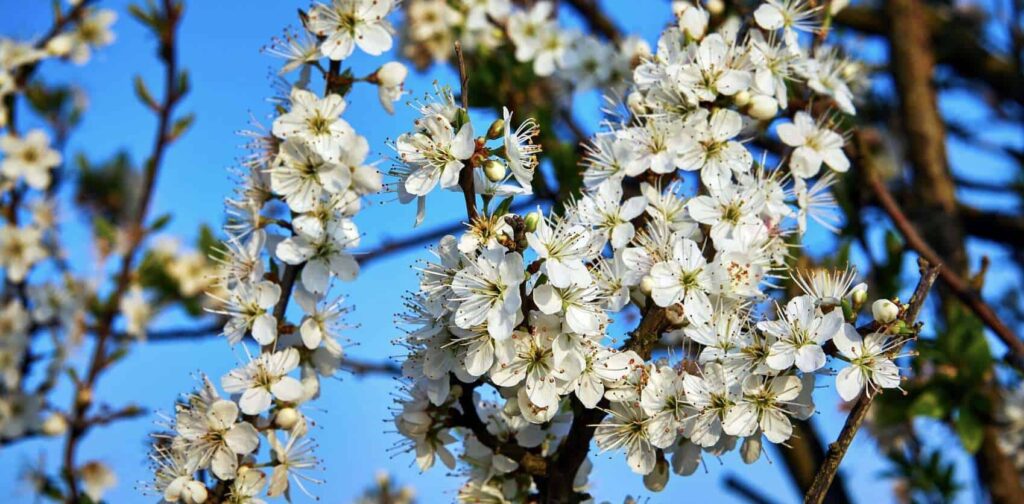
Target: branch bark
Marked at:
136, 233
837, 450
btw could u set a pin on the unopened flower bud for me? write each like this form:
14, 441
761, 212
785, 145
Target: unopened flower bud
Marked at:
676, 315
497, 129
656, 480
635, 103
495, 170
763, 107
55, 425
859, 295
742, 98
84, 396
646, 285
531, 221
195, 492
715, 6
885, 311
392, 74
693, 21
286, 418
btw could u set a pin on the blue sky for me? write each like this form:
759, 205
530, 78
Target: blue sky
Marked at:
220, 42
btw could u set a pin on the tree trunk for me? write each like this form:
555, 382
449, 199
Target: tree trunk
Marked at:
935, 207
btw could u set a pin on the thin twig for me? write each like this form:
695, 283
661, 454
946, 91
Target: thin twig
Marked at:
958, 285
466, 174
837, 450
82, 400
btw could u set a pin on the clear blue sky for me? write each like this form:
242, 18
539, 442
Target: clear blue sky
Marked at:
220, 43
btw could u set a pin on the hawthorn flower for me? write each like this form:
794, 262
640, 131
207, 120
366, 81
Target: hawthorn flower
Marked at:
214, 438
722, 338
301, 175
319, 326
520, 151
526, 29
562, 245
712, 394
487, 290
814, 145
29, 158
249, 307
293, 458
870, 365
246, 487
800, 331
725, 208
607, 213
264, 378
297, 49
683, 279
529, 357
390, 77
763, 405
627, 428
137, 312
97, 478
20, 249
602, 366
581, 306
711, 74
174, 476
664, 400
322, 247
828, 287
435, 152
93, 31
346, 24
711, 149
315, 120
788, 15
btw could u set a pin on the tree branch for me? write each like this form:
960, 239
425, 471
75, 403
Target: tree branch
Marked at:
596, 19
837, 450
136, 232
959, 287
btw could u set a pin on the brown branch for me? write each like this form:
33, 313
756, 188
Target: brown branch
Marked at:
748, 492
837, 450
99, 360
466, 182
960, 288
596, 19
388, 246
954, 35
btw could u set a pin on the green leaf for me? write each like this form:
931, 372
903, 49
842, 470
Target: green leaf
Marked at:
931, 403
142, 92
160, 222
182, 125
503, 206
970, 430
207, 242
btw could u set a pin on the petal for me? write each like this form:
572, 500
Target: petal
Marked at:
287, 389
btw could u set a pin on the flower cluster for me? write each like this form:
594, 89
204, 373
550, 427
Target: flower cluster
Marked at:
52, 307
576, 60
311, 167
678, 221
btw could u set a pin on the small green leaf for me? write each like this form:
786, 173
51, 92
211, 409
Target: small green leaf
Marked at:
503, 207
182, 125
160, 222
930, 403
142, 92
970, 430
